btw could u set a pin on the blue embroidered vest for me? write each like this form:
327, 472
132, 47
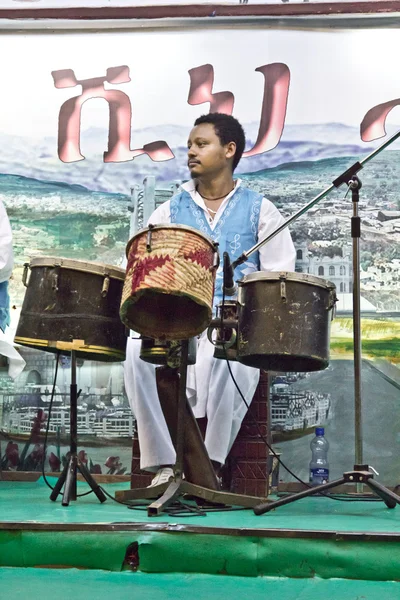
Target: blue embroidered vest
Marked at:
4, 305
235, 232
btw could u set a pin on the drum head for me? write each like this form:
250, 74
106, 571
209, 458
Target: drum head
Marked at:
78, 265
287, 276
166, 226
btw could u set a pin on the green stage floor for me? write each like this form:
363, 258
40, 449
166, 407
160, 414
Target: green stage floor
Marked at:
46, 584
314, 537
28, 502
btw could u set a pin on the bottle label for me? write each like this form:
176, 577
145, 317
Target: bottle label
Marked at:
318, 476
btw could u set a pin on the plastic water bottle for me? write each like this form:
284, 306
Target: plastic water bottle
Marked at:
319, 466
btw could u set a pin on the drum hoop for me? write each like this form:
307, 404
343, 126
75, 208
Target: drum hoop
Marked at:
83, 266
287, 276
78, 345
145, 230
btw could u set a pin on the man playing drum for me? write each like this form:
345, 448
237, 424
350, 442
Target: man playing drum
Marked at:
236, 218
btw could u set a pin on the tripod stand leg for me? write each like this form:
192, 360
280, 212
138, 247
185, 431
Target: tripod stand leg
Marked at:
263, 508
70, 481
59, 484
389, 497
172, 491
68, 476
93, 484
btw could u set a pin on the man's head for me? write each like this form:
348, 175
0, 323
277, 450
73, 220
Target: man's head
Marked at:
217, 140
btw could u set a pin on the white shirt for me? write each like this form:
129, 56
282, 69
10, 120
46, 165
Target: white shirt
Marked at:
277, 255
6, 249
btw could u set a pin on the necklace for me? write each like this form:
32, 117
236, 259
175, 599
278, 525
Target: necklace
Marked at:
213, 199
214, 212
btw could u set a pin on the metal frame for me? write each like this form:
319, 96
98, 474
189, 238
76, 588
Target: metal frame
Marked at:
297, 14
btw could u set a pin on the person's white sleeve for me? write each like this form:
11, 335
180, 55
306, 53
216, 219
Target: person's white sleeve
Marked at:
278, 254
162, 214
6, 249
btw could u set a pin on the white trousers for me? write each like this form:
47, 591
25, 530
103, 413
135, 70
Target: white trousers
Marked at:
211, 392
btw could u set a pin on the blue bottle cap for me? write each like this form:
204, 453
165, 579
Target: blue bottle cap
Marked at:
319, 431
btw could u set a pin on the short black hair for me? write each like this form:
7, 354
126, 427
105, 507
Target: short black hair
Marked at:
228, 129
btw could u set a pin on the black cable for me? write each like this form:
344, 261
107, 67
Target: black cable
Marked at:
185, 510
248, 406
171, 511
48, 421
332, 497
128, 504
48, 427
182, 511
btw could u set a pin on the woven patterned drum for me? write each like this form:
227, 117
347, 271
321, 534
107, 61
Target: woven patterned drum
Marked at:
169, 284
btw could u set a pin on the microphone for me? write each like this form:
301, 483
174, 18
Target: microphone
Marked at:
230, 288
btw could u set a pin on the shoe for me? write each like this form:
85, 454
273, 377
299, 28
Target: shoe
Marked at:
164, 475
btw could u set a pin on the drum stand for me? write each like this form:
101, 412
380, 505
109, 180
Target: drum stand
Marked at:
167, 493
74, 464
361, 473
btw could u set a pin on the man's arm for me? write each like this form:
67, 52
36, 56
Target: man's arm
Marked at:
162, 214
278, 254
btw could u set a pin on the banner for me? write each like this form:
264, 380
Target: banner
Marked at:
88, 118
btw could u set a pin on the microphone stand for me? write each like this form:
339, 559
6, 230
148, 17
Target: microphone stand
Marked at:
361, 473
344, 178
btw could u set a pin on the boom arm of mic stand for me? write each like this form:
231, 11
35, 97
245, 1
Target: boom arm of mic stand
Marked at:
244, 256
344, 178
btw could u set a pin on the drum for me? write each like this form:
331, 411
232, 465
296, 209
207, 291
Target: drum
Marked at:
165, 352
225, 340
169, 285
73, 305
284, 321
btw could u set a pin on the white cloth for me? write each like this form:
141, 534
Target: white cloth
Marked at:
210, 388
6, 248
16, 363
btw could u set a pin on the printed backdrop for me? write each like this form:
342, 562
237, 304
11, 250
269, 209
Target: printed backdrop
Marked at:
86, 117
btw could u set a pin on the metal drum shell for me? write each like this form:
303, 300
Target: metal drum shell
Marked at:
73, 305
156, 352
169, 285
228, 310
284, 321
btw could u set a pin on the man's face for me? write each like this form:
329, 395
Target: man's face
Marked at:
206, 155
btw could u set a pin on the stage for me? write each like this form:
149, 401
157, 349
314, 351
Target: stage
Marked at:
313, 546
43, 584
